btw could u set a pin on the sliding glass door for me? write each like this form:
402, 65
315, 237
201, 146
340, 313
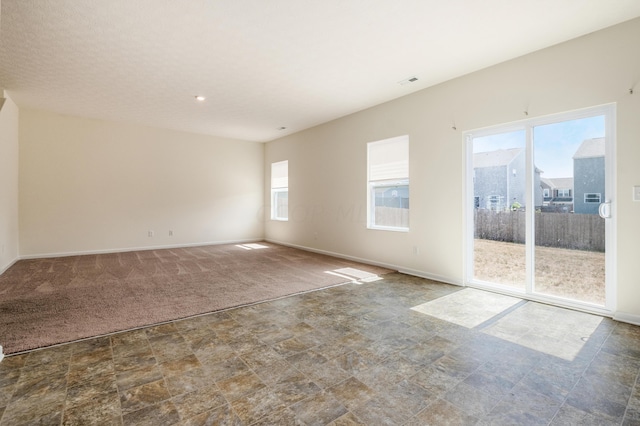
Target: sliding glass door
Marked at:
499, 201
539, 208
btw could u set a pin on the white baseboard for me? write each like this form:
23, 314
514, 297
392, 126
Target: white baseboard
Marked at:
430, 276
334, 254
626, 317
4, 269
123, 250
400, 269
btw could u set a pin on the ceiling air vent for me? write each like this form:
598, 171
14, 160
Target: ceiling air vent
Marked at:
407, 81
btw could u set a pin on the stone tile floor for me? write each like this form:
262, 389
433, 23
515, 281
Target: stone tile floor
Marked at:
348, 355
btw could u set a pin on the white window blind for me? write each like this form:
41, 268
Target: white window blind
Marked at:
389, 159
280, 174
388, 176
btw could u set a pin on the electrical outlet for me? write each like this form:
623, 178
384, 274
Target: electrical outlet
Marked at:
636, 193
170, 233
150, 233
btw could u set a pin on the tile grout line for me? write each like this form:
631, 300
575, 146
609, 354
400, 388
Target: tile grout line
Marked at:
564, 401
634, 388
494, 319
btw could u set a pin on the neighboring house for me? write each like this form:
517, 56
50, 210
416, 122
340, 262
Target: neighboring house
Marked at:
588, 174
499, 179
557, 194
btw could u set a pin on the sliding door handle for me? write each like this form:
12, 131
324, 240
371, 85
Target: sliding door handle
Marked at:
604, 210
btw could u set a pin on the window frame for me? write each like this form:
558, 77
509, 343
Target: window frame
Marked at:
590, 201
395, 181
278, 187
529, 125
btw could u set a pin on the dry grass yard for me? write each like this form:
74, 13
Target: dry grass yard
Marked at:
574, 274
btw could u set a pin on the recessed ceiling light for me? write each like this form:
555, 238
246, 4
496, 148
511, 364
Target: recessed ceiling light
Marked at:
200, 98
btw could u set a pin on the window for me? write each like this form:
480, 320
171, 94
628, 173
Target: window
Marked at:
388, 180
495, 203
280, 190
546, 193
592, 198
572, 154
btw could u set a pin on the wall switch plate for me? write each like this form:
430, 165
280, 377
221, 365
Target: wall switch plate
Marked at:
636, 193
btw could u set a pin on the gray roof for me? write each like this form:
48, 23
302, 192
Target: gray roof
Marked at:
501, 157
590, 148
558, 183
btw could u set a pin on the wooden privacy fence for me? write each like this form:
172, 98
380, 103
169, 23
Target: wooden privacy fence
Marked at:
563, 230
391, 216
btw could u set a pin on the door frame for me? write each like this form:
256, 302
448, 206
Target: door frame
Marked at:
609, 111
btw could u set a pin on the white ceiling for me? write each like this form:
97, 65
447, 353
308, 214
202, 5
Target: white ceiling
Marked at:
264, 64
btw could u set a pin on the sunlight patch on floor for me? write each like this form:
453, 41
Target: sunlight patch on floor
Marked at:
554, 331
252, 246
356, 275
468, 308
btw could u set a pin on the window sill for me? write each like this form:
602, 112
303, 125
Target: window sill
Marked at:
388, 228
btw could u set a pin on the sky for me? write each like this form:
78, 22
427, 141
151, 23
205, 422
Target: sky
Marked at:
553, 144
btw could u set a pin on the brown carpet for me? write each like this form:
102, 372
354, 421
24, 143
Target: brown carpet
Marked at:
48, 301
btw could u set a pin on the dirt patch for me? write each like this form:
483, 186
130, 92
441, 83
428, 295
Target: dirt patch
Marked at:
574, 274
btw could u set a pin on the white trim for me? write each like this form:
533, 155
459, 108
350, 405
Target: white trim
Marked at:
388, 228
593, 200
407, 271
626, 317
609, 112
432, 277
611, 233
467, 217
541, 298
274, 204
9, 265
330, 253
123, 250
530, 219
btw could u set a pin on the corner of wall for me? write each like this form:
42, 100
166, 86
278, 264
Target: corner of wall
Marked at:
627, 317
9, 115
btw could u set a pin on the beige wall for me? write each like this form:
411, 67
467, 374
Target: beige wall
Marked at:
91, 185
327, 164
8, 183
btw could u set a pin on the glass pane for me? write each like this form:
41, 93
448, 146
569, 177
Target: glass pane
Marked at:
281, 204
391, 206
569, 233
499, 177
